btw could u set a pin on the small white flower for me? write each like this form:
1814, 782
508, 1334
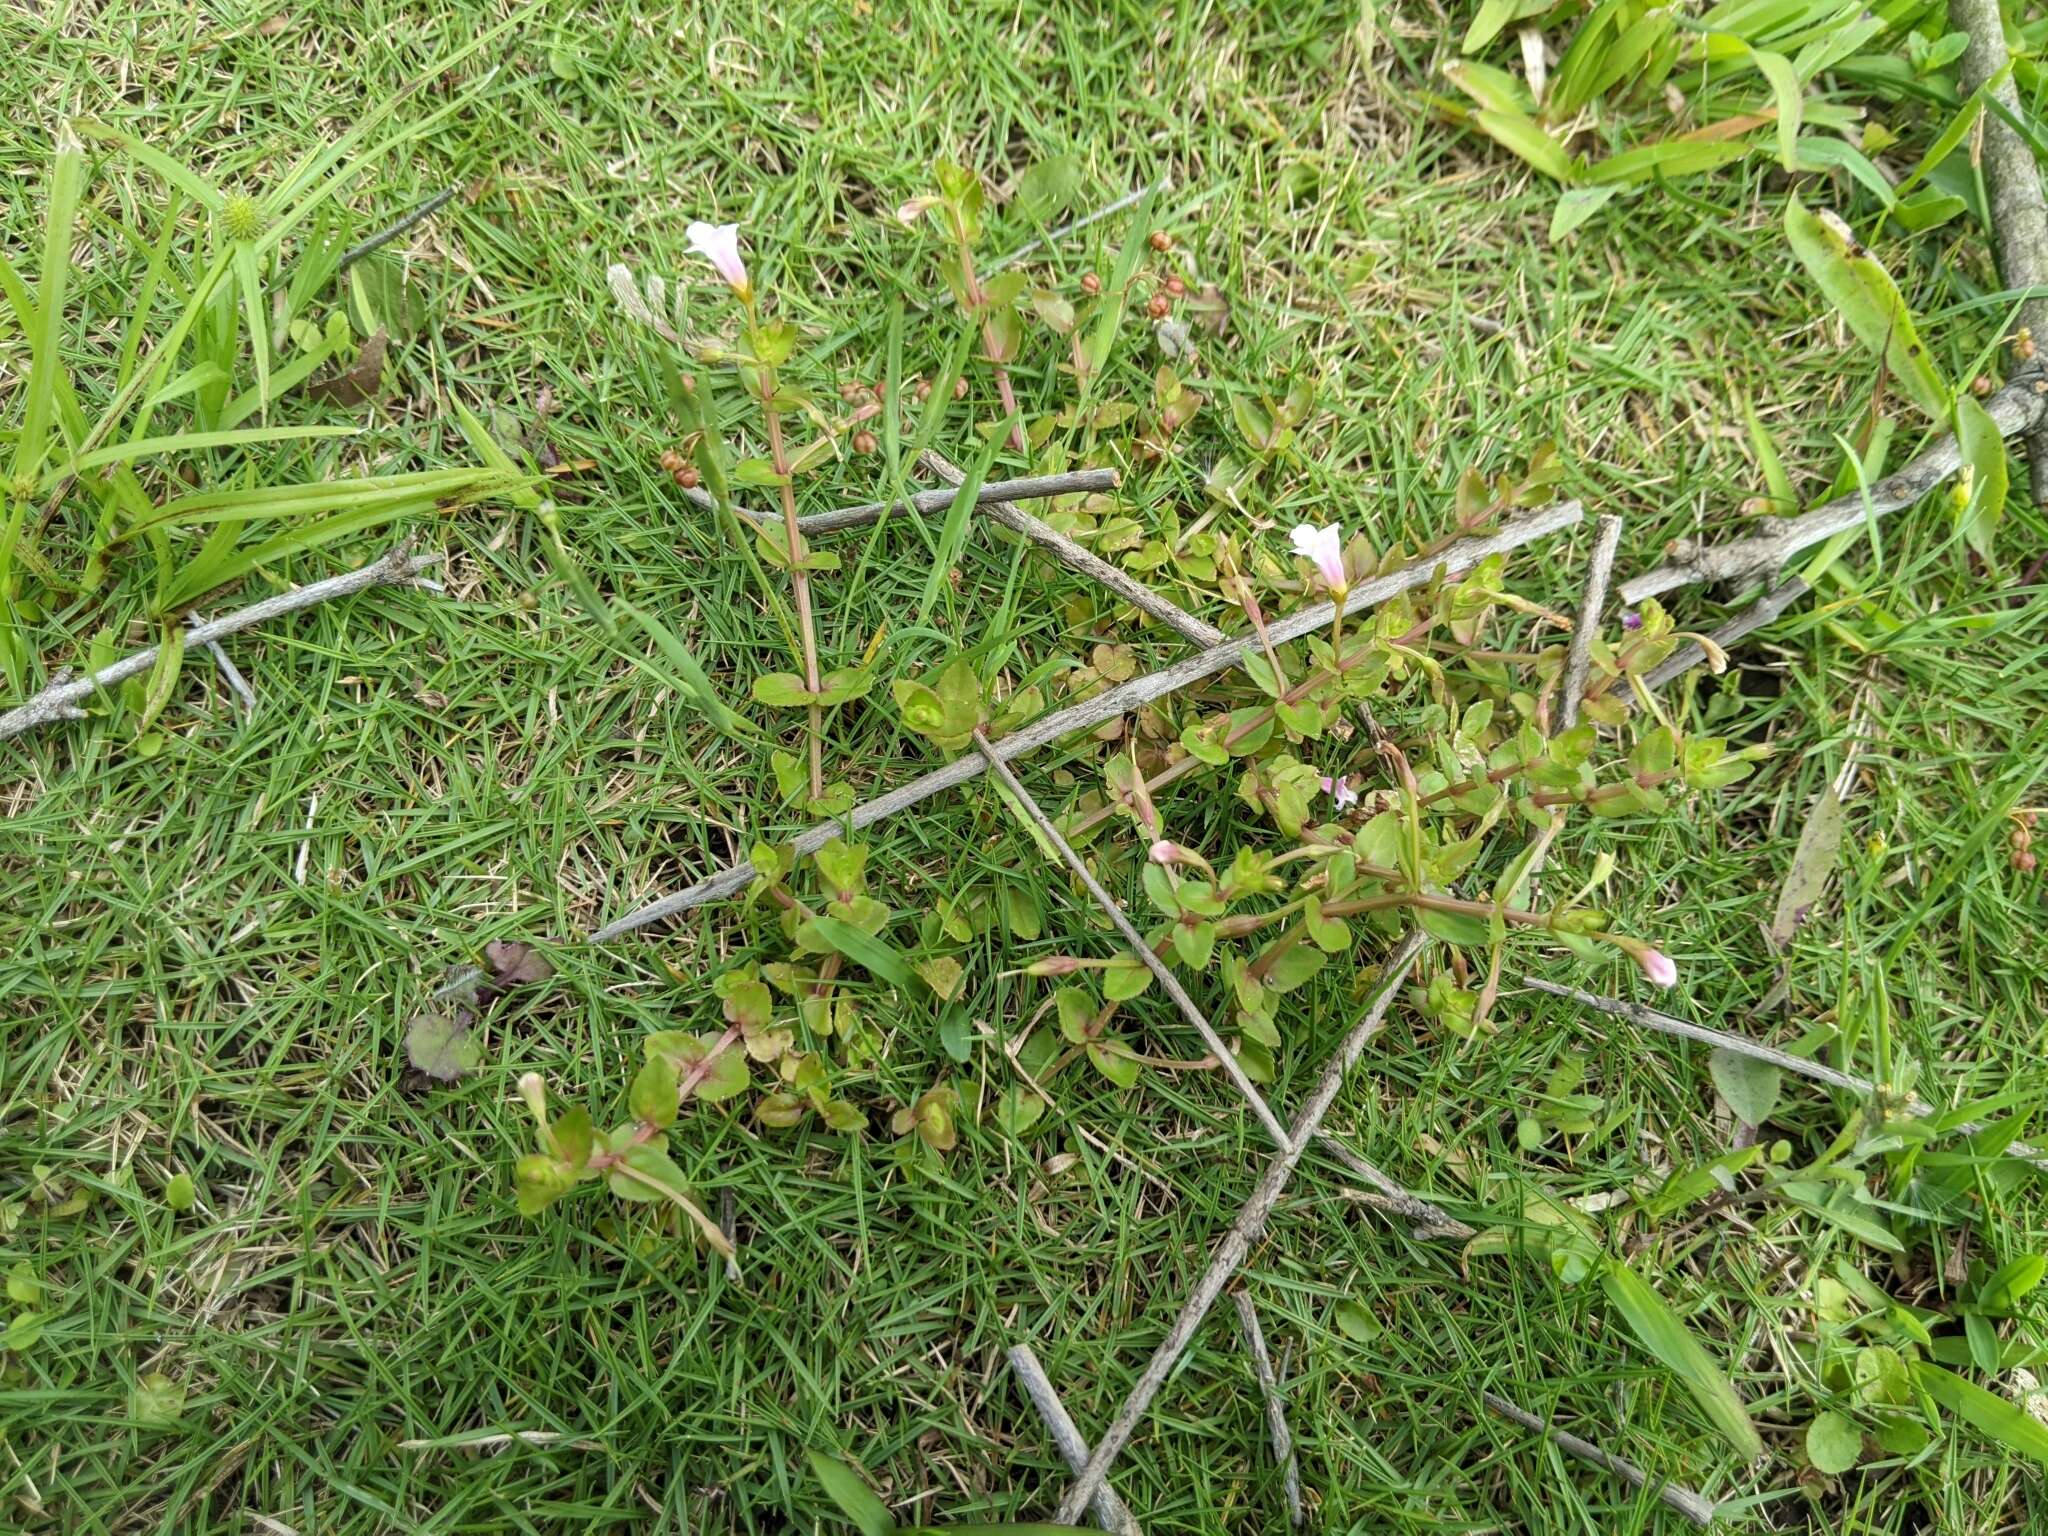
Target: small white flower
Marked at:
719, 244
1323, 548
1341, 791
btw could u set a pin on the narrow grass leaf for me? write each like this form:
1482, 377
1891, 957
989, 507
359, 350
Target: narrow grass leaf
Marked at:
1665, 1336
691, 681
1989, 1414
876, 956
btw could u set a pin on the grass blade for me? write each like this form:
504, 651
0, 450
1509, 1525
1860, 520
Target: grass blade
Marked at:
1665, 1336
954, 534
693, 681
876, 956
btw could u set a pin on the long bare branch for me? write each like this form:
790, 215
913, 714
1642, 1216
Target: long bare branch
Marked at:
1578, 661
1235, 1243
1086, 561
1110, 1511
1111, 703
2016, 409
60, 700
1665, 1024
1136, 940
1028, 488
2012, 177
1695, 1507
1276, 1410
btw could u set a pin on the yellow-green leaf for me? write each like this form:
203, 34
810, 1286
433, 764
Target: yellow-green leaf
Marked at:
1865, 296
1665, 1336
1512, 130
1988, 474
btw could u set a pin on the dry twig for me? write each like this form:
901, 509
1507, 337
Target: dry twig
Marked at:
1276, 1411
1087, 562
1029, 488
1124, 926
2012, 177
1109, 704
1665, 1024
1110, 1511
1695, 1507
60, 699
2017, 408
1578, 663
1235, 1243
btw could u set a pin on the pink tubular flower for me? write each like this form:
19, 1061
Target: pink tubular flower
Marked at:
719, 244
1341, 791
1166, 851
1657, 965
1323, 548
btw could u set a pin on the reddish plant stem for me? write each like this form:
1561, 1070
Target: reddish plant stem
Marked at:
976, 298
799, 578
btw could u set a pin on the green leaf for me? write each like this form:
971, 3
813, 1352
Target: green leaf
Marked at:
1049, 187
725, 1078
1460, 928
1791, 100
2001, 1291
1354, 1321
163, 676
46, 363
690, 680
1113, 1060
1868, 301
876, 956
1525, 137
23, 1331
649, 1174
156, 1402
1992, 1416
1660, 1331
782, 690
439, 1044
953, 535
1834, 1443
1125, 977
1665, 158
843, 1485
180, 1194
653, 1095
1987, 470
23, 1288
1576, 205
1750, 1086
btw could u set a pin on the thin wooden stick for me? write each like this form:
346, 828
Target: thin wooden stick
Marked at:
1029, 488
1124, 926
2012, 177
1276, 1410
1578, 664
2016, 409
1109, 704
1430, 1220
1129, 199
1759, 613
1695, 1507
60, 699
1111, 1513
1086, 561
1231, 1249
1665, 1024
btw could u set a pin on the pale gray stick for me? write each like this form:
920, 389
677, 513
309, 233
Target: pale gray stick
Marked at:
232, 676
53, 702
1695, 1507
1231, 1249
1759, 613
1128, 200
1110, 1511
1665, 1024
1029, 488
2016, 409
1276, 1411
1109, 704
1087, 562
1430, 1220
1578, 662
1129, 930
2012, 178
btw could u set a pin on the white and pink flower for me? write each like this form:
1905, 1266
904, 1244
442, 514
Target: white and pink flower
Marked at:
719, 244
1324, 549
1341, 791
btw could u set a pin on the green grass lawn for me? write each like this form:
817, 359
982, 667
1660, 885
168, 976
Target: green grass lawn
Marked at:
208, 956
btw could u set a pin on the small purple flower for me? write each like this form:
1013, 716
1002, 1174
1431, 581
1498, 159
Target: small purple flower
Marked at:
1341, 791
1631, 620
